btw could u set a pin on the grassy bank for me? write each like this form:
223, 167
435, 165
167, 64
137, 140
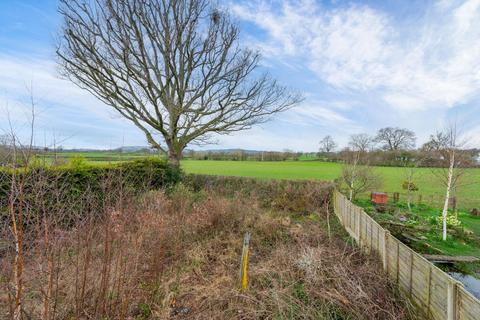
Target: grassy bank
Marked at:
421, 228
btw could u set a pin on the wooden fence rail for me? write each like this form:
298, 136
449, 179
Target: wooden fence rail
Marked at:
433, 291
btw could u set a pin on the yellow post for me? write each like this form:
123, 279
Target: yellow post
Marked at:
244, 262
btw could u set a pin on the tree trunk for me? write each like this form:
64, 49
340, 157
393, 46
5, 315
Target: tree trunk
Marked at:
409, 201
354, 172
174, 158
409, 190
447, 196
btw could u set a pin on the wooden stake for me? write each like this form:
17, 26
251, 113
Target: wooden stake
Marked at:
244, 262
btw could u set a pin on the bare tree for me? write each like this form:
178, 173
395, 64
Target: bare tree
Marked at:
437, 142
327, 144
356, 176
20, 153
173, 68
394, 139
409, 184
361, 142
453, 160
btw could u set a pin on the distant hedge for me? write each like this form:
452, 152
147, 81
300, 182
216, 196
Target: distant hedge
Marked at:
80, 189
300, 196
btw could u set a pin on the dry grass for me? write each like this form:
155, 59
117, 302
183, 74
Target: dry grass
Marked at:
177, 256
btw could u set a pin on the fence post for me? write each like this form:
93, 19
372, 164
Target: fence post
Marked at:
429, 291
454, 203
396, 197
357, 224
342, 211
386, 234
398, 262
452, 300
410, 284
349, 223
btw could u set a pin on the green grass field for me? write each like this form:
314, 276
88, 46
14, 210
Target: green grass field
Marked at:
93, 156
428, 183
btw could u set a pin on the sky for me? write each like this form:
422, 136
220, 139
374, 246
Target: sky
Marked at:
361, 66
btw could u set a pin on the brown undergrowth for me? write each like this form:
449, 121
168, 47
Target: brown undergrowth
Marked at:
177, 256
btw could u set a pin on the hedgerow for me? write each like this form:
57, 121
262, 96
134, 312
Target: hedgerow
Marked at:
300, 196
80, 188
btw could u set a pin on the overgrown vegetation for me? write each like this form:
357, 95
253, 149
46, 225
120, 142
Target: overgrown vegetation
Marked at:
79, 187
175, 254
294, 196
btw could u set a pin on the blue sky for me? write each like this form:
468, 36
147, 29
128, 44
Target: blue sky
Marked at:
361, 65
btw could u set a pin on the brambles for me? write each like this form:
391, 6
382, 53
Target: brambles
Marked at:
294, 196
175, 255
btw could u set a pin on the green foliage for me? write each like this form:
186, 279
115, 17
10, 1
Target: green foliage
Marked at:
452, 221
299, 292
79, 188
78, 162
425, 224
144, 310
409, 186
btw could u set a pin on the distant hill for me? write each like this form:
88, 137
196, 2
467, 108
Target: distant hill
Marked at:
230, 151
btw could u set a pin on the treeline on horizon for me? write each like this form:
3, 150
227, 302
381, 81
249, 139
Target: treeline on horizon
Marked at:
389, 147
375, 157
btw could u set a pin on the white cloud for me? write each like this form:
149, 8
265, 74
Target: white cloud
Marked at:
61, 107
378, 69
317, 114
19, 75
432, 63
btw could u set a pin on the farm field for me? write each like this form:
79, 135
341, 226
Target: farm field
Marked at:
427, 181
93, 156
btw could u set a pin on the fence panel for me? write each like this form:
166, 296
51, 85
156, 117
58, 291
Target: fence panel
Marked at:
433, 291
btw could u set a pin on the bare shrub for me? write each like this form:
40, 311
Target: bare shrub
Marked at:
301, 196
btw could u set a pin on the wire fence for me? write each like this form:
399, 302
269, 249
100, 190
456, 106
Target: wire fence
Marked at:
433, 291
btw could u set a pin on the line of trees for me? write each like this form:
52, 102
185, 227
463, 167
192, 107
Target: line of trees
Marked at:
397, 147
243, 155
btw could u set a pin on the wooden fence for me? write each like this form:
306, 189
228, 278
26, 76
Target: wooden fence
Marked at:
433, 291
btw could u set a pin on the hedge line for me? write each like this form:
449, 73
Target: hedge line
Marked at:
69, 194
81, 189
300, 196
